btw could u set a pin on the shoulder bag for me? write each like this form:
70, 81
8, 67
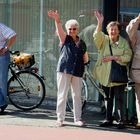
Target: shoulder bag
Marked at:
118, 73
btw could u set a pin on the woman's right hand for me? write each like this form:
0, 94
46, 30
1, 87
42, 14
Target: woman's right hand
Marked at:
59, 29
99, 16
54, 15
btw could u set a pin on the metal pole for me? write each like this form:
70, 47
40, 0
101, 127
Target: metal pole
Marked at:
41, 37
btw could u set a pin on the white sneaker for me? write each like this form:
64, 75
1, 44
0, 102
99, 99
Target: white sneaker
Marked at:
80, 123
59, 123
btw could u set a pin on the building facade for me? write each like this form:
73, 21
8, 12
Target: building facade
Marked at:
36, 31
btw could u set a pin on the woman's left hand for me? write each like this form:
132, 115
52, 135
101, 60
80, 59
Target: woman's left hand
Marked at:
109, 58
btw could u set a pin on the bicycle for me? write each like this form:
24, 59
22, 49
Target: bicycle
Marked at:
26, 88
85, 94
130, 113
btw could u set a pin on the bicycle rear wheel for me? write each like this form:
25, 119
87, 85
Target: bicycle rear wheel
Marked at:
84, 97
26, 90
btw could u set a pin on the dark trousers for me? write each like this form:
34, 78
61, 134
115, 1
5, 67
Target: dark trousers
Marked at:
118, 93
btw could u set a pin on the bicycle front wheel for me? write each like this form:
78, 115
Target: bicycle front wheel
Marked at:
26, 90
84, 96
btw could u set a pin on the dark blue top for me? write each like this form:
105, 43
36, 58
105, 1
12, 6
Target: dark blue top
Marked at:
71, 57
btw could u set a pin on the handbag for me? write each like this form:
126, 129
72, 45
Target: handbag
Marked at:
118, 73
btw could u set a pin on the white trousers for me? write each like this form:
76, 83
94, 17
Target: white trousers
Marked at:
137, 91
64, 82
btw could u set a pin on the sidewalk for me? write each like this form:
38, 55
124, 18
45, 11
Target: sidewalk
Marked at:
40, 133
39, 124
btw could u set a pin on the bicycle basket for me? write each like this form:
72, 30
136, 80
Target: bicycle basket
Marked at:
24, 60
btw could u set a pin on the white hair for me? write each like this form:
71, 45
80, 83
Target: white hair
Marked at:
71, 22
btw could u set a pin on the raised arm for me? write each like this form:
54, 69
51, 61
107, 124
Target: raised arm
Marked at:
98, 35
100, 19
132, 28
59, 30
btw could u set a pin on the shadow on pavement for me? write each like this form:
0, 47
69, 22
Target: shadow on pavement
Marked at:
48, 113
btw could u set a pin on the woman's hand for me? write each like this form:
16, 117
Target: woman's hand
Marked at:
100, 19
54, 15
59, 29
86, 58
99, 16
110, 58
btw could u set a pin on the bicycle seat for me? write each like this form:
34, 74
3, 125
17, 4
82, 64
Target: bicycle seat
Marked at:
15, 53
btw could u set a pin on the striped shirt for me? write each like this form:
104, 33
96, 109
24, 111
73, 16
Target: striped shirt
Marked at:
5, 34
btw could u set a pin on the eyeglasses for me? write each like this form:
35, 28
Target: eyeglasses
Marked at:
72, 29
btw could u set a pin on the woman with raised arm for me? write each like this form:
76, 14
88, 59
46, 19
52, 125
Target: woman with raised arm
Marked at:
122, 55
134, 35
70, 67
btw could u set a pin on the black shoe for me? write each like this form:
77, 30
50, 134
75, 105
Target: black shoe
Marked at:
120, 125
106, 123
137, 126
3, 108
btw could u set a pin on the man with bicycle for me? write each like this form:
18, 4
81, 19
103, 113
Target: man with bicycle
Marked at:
7, 38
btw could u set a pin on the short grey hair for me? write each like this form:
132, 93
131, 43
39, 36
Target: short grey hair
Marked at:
72, 22
113, 23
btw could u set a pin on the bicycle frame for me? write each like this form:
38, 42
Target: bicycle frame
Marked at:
16, 77
92, 80
22, 93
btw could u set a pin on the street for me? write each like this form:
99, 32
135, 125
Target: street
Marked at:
39, 124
